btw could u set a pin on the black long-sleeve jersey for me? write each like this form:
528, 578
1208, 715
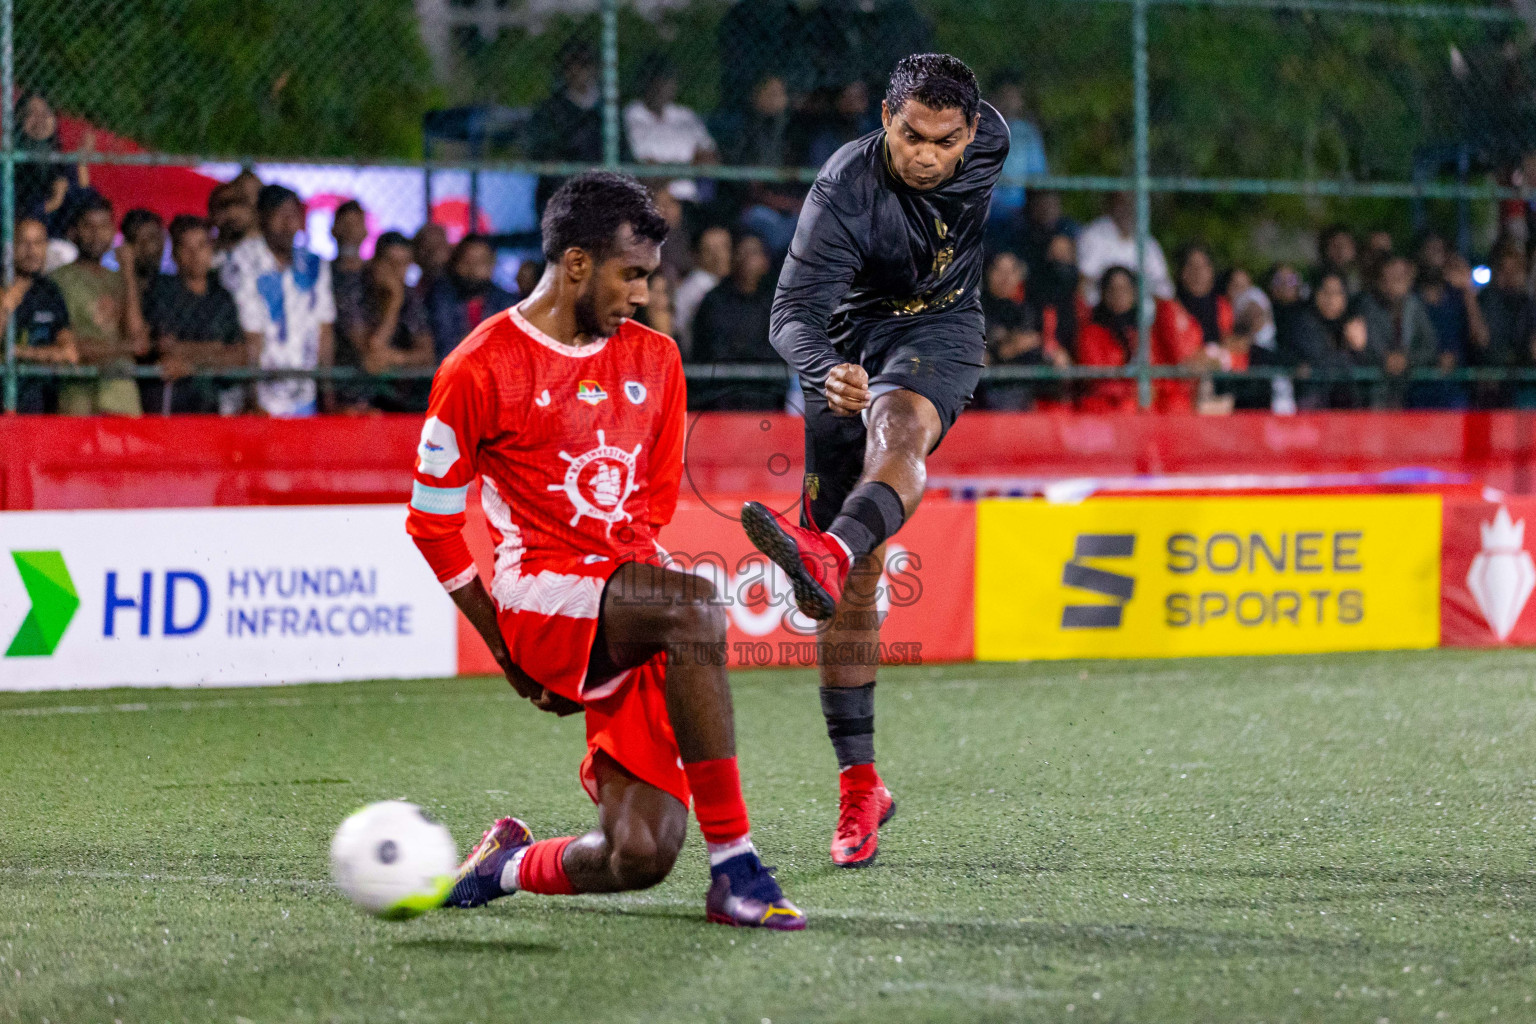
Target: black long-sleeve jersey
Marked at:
872, 256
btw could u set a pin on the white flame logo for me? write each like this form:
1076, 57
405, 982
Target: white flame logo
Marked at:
1502, 576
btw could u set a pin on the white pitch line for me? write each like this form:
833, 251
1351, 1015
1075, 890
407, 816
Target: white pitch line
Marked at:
585, 901
224, 704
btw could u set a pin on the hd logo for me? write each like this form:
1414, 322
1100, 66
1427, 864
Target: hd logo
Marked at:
1098, 581
54, 603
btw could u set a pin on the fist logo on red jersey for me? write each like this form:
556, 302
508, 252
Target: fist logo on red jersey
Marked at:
599, 481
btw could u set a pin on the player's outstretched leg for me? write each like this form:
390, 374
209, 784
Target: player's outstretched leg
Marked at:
849, 657
835, 574
903, 428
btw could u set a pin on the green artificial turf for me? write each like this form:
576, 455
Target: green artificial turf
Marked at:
1290, 839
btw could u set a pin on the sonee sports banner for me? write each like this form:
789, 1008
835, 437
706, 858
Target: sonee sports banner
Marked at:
1154, 577
217, 596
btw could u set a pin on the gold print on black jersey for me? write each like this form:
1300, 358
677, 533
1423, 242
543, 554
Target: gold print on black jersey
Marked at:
943, 257
946, 254
918, 304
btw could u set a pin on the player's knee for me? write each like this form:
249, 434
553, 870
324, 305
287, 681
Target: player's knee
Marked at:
640, 861
699, 618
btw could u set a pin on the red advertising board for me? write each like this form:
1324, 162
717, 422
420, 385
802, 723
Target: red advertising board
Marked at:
927, 592
1486, 573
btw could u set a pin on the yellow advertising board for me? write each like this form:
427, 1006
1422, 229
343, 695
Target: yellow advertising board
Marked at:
1180, 576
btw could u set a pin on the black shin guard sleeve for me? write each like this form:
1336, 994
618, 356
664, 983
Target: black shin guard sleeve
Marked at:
850, 715
872, 513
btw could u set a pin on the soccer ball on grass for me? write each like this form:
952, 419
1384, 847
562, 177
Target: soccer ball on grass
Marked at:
393, 861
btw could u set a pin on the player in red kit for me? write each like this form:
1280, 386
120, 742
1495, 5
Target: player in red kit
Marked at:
571, 416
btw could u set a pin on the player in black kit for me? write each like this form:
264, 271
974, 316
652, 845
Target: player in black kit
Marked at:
879, 312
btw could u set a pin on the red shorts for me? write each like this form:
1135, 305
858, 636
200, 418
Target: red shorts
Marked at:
631, 726
549, 620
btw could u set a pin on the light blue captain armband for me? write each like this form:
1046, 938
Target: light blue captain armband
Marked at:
441, 501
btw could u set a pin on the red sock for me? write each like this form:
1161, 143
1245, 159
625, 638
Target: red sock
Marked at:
543, 868
717, 801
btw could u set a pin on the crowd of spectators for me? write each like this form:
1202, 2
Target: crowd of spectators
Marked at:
233, 287
1062, 295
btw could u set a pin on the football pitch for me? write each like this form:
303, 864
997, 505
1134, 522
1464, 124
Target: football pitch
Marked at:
1289, 839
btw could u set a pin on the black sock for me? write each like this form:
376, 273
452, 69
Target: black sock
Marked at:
872, 513
850, 715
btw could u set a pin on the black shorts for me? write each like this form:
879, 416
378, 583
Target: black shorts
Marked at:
941, 362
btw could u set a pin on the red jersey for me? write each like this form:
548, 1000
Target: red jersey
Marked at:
579, 451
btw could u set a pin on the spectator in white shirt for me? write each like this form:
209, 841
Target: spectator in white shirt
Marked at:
712, 261
662, 131
283, 294
1110, 241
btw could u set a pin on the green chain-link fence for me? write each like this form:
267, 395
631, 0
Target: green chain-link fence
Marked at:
1246, 124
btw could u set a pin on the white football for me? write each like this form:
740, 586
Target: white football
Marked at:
393, 861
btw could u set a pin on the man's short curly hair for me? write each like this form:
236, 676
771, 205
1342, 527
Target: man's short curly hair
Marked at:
935, 80
588, 210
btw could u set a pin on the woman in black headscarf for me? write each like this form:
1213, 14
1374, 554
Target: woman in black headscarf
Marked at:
1109, 339
42, 188
1324, 339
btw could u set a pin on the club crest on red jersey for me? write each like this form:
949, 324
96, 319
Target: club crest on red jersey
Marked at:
634, 391
599, 481
591, 392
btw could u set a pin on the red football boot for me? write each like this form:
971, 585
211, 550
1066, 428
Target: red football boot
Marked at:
817, 564
864, 804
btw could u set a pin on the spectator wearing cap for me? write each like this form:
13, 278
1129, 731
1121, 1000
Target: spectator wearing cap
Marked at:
104, 313
194, 326
41, 316
464, 296
1399, 334
662, 131
731, 326
384, 328
287, 309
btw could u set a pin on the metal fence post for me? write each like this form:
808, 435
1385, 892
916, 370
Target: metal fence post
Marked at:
1143, 206
8, 185
611, 83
